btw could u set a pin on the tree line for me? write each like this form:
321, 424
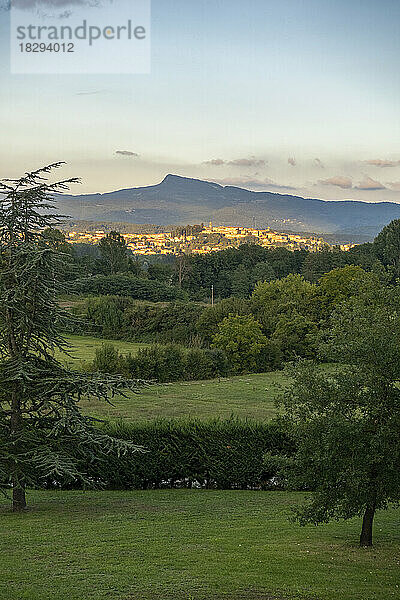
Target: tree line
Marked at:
110, 267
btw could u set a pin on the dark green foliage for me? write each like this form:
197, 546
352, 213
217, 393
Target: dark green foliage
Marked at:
107, 360
107, 315
223, 454
244, 278
295, 335
348, 422
163, 363
316, 264
40, 421
160, 272
262, 271
241, 282
126, 285
281, 298
386, 247
173, 322
340, 285
113, 253
233, 271
246, 347
211, 316
124, 318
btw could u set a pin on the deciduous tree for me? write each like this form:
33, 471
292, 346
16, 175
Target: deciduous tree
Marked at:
114, 252
347, 420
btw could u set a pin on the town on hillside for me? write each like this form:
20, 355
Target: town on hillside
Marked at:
202, 239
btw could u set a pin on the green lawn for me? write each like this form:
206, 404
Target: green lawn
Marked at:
247, 396
183, 544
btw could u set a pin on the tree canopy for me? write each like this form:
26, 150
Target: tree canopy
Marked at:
347, 420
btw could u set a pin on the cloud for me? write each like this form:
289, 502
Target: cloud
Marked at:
237, 162
89, 93
247, 162
215, 162
292, 161
319, 163
278, 186
342, 182
377, 162
126, 153
370, 184
26, 4
254, 184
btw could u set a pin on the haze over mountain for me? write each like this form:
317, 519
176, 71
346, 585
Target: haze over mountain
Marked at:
180, 200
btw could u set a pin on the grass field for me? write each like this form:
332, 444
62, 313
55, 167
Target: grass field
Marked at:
189, 545
247, 396
83, 349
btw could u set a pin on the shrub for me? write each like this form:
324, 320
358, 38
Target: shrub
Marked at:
241, 338
107, 359
106, 314
212, 316
121, 317
163, 363
272, 300
296, 336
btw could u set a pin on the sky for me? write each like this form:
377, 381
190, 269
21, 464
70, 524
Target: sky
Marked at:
290, 96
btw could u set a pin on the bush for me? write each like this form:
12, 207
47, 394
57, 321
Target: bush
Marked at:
121, 317
212, 316
296, 336
107, 359
163, 363
281, 298
241, 338
106, 315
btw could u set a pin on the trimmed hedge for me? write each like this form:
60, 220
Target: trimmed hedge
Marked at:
185, 453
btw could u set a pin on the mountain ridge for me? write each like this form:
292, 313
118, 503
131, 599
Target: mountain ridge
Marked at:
182, 200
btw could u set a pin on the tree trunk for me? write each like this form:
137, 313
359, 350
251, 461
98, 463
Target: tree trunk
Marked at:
18, 495
366, 531
19, 499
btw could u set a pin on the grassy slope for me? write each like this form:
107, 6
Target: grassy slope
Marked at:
188, 544
247, 395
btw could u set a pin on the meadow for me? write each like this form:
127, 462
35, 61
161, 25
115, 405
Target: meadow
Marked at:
251, 395
189, 545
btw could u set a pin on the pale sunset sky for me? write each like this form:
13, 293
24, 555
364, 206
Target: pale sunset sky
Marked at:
292, 96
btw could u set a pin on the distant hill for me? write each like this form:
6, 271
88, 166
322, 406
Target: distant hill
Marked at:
180, 201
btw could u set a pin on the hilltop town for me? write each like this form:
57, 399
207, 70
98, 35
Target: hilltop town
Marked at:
201, 239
